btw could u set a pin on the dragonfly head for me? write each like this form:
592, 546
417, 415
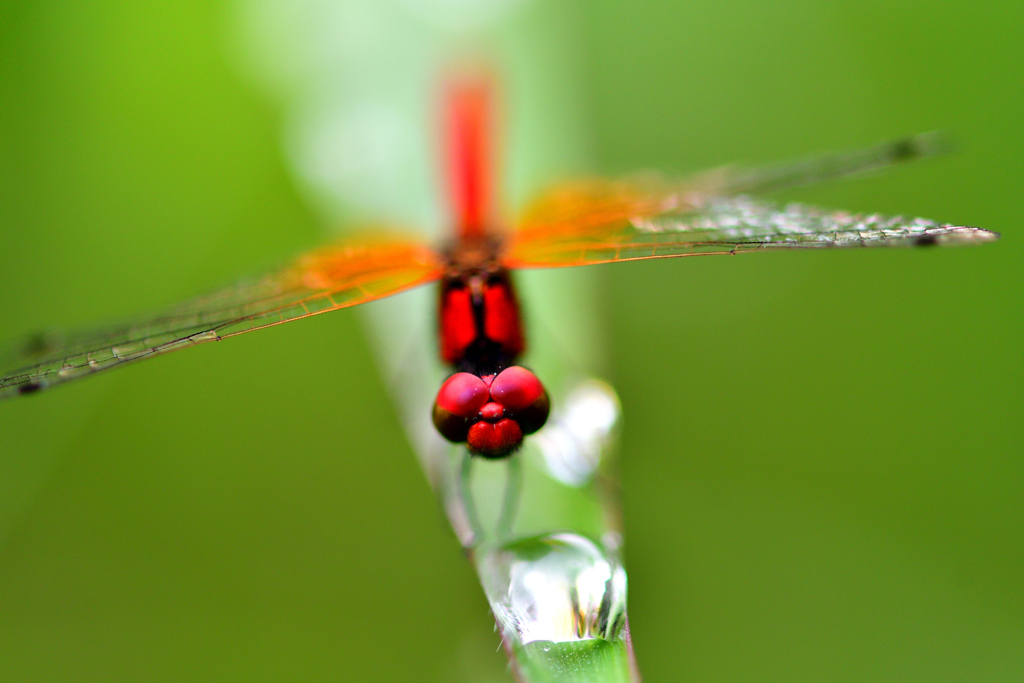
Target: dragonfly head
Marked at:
491, 413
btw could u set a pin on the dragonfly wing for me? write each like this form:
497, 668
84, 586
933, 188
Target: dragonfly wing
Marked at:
821, 168
338, 276
607, 221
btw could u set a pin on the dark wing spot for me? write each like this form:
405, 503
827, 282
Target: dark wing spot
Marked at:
40, 344
903, 150
926, 241
29, 388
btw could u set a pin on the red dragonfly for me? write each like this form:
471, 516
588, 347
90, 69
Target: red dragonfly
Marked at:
489, 402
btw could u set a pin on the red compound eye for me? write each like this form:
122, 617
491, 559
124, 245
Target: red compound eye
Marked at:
462, 394
491, 413
459, 399
495, 440
522, 394
516, 388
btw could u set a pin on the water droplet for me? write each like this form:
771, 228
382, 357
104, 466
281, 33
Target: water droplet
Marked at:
555, 588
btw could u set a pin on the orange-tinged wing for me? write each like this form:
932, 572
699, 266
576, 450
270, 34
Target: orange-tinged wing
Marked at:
642, 218
339, 276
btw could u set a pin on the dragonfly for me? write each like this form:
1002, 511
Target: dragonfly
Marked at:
489, 402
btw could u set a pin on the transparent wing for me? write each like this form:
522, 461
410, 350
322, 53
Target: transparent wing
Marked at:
603, 221
820, 169
604, 232
335, 277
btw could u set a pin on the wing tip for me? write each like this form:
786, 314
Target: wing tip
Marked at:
920, 146
954, 235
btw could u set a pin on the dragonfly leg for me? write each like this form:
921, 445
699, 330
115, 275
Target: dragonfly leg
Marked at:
510, 505
502, 529
466, 494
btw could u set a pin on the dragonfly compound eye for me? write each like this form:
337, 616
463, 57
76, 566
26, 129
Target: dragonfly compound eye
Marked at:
458, 401
491, 413
523, 397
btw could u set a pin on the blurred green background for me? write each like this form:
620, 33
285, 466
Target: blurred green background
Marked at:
823, 476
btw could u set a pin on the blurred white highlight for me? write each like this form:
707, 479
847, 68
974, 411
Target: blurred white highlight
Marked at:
578, 433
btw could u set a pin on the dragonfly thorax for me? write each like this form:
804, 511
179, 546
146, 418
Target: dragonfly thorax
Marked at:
480, 327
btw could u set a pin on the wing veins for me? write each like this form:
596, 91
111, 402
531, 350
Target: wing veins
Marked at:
337, 277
